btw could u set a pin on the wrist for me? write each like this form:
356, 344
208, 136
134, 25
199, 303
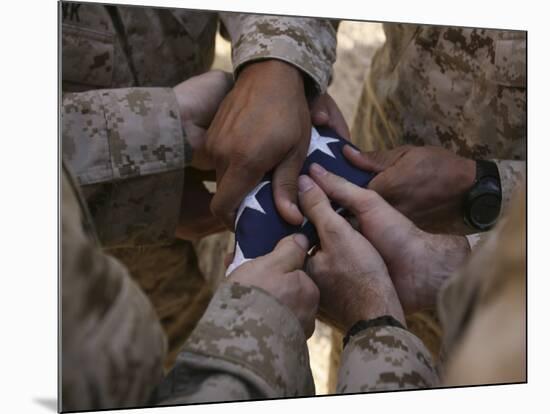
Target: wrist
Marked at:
466, 175
443, 256
381, 301
287, 75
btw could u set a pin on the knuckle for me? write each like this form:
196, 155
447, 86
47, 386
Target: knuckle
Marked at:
246, 163
286, 185
332, 229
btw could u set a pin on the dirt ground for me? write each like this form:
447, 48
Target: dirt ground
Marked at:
357, 42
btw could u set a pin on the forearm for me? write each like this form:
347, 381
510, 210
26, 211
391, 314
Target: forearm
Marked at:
247, 345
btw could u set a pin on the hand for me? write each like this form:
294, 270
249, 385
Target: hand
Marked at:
199, 98
418, 262
325, 112
196, 219
262, 124
279, 274
349, 272
427, 184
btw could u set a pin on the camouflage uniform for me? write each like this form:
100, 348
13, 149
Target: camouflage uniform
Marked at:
483, 310
247, 345
126, 146
460, 88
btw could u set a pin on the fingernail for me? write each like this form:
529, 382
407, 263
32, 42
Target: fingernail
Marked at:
323, 114
353, 150
301, 240
304, 183
317, 169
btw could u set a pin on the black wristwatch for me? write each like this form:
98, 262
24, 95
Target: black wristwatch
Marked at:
482, 203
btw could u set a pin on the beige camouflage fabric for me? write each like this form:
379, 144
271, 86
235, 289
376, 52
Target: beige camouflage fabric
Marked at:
112, 344
484, 308
122, 138
253, 347
460, 88
247, 345
483, 313
384, 359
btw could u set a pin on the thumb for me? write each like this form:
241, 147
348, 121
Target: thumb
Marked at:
285, 187
289, 254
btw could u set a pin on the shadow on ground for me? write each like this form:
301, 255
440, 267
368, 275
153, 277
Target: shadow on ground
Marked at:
49, 403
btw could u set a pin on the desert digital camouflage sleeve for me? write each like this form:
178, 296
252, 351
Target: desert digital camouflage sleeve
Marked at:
127, 150
385, 358
112, 344
307, 43
246, 346
512, 173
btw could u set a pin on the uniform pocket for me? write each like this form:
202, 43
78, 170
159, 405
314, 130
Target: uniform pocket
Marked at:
87, 56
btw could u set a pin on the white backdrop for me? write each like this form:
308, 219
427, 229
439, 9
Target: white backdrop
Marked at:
28, 110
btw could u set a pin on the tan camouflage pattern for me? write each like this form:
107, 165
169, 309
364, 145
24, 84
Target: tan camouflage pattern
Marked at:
125, 146
172, 280
121, 137
114, 134
250, 345
126, 46
483, 308
308, 43
460, 88
112, 345
119, 42
385, 358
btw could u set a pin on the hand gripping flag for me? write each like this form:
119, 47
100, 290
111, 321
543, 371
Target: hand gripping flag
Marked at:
258, 225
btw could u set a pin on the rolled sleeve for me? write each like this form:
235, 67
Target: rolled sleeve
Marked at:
126, 148
307, 43
512, 173
246, 340
385, 358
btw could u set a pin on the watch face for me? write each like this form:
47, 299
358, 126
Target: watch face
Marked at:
484, 210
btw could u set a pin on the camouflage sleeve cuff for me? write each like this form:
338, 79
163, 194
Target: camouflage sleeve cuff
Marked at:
386, 320
126, 148
384, 358
249, 335
307, 43
114, 134
512, 173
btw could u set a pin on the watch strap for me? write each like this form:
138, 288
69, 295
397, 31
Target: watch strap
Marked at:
385, 320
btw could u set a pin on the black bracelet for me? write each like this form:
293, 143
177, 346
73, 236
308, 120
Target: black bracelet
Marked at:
361, 325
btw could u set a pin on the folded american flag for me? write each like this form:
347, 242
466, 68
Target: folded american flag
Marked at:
258, 225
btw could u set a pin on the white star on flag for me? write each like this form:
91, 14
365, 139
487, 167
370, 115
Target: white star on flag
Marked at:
318, 142
250, 201
238, 260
